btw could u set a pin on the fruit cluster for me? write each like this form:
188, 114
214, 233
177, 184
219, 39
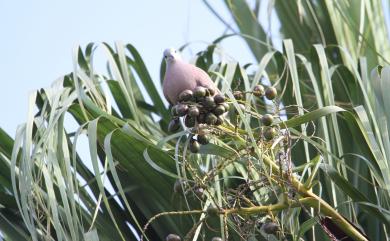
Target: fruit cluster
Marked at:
198, 106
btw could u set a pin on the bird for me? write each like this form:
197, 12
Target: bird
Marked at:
180, 76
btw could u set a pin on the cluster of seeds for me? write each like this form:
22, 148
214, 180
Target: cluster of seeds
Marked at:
200, 106
204, 106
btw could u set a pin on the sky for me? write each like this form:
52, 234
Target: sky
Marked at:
37, 38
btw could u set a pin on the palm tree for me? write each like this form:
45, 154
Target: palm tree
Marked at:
332, 112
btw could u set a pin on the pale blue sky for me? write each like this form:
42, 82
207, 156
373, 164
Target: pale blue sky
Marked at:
37, 38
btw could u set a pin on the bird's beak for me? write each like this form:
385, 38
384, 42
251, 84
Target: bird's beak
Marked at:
168, 58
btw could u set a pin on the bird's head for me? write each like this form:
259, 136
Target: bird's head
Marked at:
171, 55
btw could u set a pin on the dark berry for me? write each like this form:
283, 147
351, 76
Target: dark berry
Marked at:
211, 91
219, 110
270, 228
186, 95
174, 111
267, 119
173, 237
178, 186
211, 119
182, 109
219, 99
202, 118
271, 93
174, 125
212, 211
193, 111
259, 91
238, 95
203, 139
199, 92
194, 146
269, 133
208, 102
219, 121
189, 121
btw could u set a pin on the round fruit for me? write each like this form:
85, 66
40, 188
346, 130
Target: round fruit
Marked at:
267, 119
211, 91
226, 105
259, 91
242, 107
182, 109
203, 139
208, 102
173, 237
194, 146
177, 187
212, 211
238, 95
216, 239
193, 111
199, 92
199, 192
269, 133
270, 228
174, 125
219, 110
202, 118
189, 121
211, 119
219, 121
271, 93
186, 95
219, 99
174, 110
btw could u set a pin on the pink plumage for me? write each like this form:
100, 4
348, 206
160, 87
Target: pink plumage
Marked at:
180, 76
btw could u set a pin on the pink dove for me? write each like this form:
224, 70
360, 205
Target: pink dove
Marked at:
180, 76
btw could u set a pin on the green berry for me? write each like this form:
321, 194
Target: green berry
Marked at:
199, 92
211, 91
269, 133
211, 119
267, 119
203, 139
226, 105
219, 99
194, 146
271, 93
174, 125
219, 110
212, 211
238, 95
186, 95
219, 121
173, 237
208, 102
189, 121
259, 91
